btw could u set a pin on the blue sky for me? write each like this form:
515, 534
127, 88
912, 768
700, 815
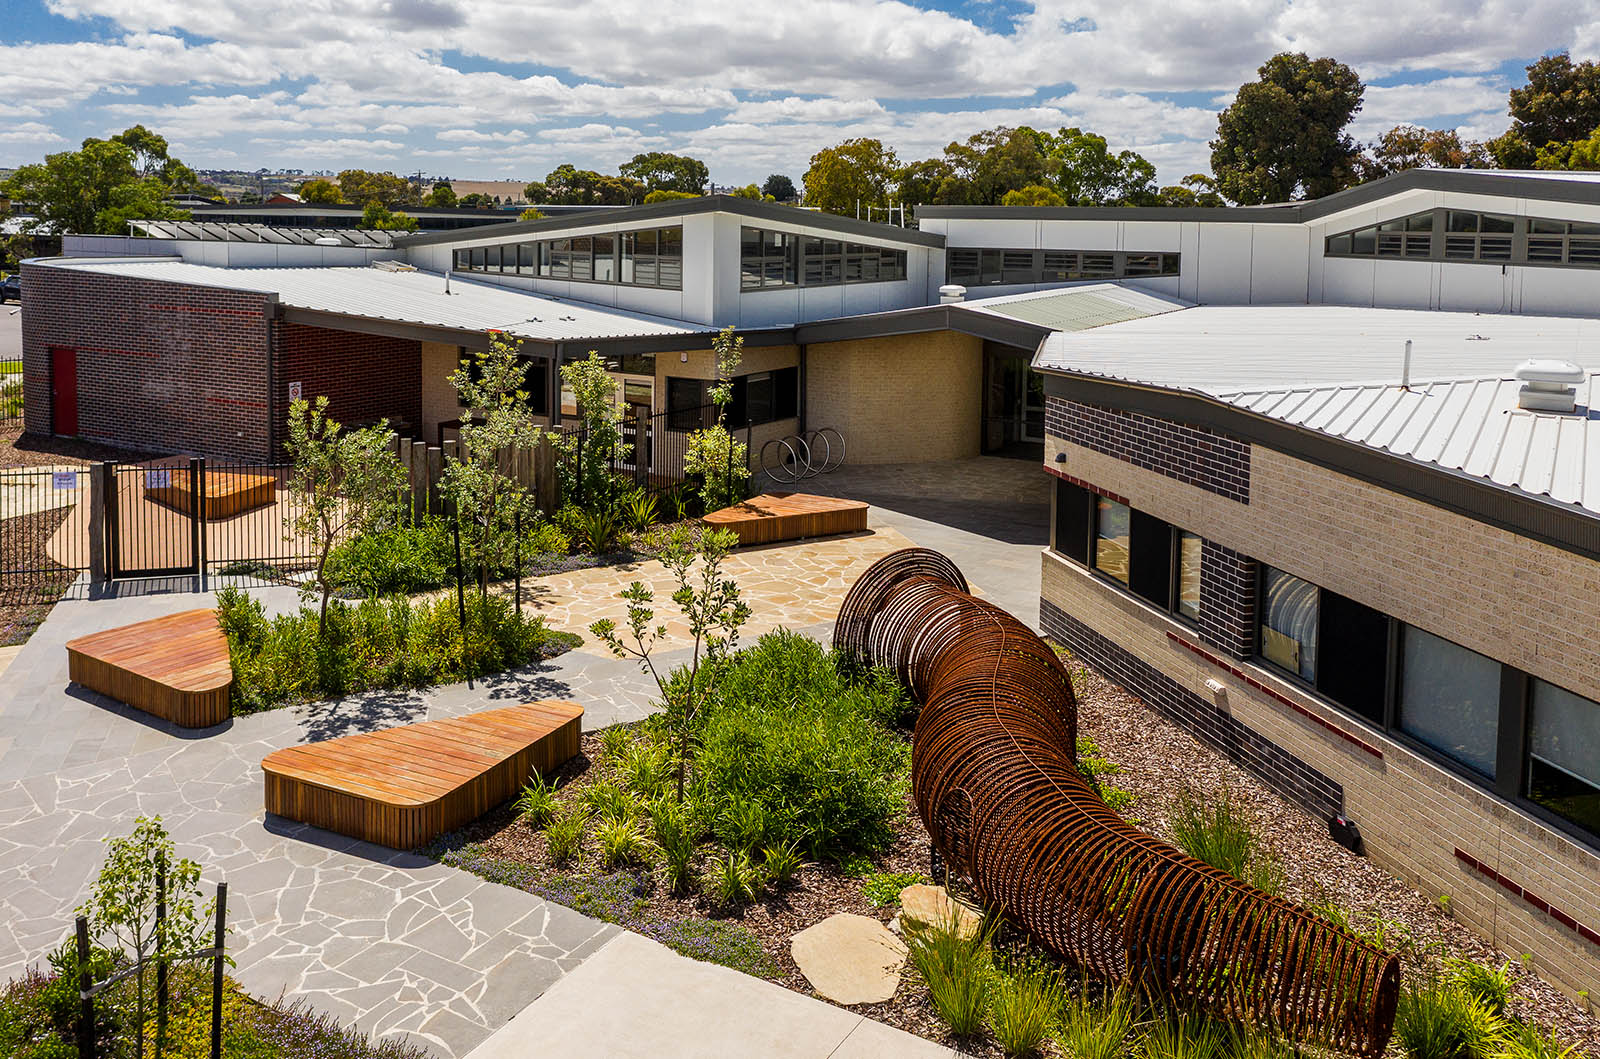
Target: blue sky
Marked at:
491, 89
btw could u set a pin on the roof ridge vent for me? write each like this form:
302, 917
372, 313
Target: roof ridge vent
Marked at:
1549, 385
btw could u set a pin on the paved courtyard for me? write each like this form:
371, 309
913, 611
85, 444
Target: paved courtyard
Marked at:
387, 941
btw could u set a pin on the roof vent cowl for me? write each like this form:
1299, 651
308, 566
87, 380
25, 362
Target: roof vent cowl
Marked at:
951, 293
1549, 385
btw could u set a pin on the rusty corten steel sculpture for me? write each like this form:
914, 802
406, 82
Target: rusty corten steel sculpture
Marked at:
995, 779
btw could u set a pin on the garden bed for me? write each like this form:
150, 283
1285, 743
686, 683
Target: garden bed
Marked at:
1138, 752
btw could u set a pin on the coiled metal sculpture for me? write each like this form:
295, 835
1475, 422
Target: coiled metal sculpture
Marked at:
995, 780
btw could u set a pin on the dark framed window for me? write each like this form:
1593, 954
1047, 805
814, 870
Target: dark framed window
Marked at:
983, 267
686, 404
1469, 235
1331, 642
1153, 559
1449, 699
767, 258
1564, 754
649, 258
764, 397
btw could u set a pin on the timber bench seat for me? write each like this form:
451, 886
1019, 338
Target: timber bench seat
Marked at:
404, 786
226, 492
174, 667
774, 517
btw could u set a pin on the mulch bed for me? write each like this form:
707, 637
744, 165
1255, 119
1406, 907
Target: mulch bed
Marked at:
34, 450
28, 593
1158, 760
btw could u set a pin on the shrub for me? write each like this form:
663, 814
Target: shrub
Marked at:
1097, 1030
536, 802
721, 463
732, 881
673, 826
1437, 1019
1024, 1008
377, 643
621, 843
1221, 835
781, 862
883, 888
563, 834
402, 559
783, 730
957, 971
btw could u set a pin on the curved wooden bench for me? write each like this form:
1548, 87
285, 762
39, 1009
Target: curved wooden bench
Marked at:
174, 667
774, 517
403, 787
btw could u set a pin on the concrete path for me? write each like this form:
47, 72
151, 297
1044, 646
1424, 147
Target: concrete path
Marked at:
614, 1005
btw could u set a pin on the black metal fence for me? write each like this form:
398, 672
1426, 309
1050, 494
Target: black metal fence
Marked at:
44, 533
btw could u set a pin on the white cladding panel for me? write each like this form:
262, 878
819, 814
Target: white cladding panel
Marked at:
1559, 291
1223, 264
1278, 254
1474, 288
1149, 235
1066, 235
1399, 284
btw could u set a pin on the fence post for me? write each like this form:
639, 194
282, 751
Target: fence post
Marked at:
85, 1001
577, 472
461, 595
99, 479
641, 431
216, 971
435, 471
161, 962
197, 523
544, 475
516, 558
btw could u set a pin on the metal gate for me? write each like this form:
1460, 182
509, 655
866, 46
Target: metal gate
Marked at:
154, 527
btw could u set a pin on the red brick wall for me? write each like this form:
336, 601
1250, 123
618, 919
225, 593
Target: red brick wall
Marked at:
365, 377
164, 367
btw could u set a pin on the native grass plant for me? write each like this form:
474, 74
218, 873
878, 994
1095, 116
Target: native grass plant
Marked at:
563, 833
1026, 1004
676, 835
780, 863
1491, 985
621, 842
1095, 767
489, 504
537, 802
732, 880
1098, 1029
958, 969
614, 742
374, 644
1438, 1019
347, 482
1220, 834
645, 768
1186, 1035
1522, 1040
710, 604
608, 800
742, 825
585, 466
641, 510
597, 529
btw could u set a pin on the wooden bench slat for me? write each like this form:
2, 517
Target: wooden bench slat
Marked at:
175, 667
404, 786
774, 517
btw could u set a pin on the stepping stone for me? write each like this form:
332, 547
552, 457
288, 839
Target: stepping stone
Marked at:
850, 959
930, 906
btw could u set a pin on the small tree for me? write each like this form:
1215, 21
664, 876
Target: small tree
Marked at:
122, 908
711, 606
497, 421
586, 468
348, 482
722, 463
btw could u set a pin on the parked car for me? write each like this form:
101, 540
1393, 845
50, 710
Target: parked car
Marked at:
11, 287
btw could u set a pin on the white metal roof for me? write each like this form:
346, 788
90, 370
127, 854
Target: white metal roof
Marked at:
1077, 308
1468, 425
1337, 370
411, 297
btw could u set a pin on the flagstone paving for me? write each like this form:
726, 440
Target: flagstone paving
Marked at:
387, 941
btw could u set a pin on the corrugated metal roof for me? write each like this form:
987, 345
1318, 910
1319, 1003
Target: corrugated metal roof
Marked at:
233, 232
414, 297
1468, 425
1077, 308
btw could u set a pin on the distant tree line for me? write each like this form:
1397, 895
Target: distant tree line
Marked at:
1284, 137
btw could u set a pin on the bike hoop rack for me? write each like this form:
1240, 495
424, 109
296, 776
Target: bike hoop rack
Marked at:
796, 457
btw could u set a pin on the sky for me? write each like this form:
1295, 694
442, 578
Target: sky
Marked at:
508, 89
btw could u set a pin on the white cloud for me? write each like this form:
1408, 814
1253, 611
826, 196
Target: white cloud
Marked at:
30, 132
754, 90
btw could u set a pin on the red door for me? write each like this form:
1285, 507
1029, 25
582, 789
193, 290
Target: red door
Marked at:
63, 391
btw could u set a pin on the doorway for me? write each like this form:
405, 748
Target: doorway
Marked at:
1013, 404
64, 391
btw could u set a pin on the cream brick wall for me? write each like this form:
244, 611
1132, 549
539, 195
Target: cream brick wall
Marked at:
439, 403
902, 399
1480, 586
